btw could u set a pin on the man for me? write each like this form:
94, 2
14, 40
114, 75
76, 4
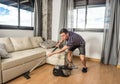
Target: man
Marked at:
73, 41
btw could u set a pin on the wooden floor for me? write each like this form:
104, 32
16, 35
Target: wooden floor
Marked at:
97, 74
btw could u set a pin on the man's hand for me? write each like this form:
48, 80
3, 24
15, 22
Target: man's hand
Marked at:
59, 51
59, 43
49, 54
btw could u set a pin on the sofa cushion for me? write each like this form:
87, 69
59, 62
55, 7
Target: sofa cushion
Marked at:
48, 44
3, 52
21, 57
8, 44
36, 41
21, 43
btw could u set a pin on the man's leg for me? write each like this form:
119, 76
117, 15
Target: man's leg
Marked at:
70, 63
82, 57
83, 60
69, 56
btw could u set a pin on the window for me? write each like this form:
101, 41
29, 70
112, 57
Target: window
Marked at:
94, 18
81, 18
8, 15
26, 14
16, 13
88, 15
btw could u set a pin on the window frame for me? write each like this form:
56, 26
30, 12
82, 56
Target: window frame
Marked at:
88, 29
16, 27
86, 12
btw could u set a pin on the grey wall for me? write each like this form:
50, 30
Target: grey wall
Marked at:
15, 33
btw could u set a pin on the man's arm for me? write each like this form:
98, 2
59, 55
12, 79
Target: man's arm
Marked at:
58, 44
59, 51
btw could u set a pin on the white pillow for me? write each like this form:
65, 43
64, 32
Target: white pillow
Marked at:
48, 44
36, 41
3, 52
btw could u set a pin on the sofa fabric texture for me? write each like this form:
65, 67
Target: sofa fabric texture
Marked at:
3, 52
25, 53
36, 41
48, 44
22, 43
8, 44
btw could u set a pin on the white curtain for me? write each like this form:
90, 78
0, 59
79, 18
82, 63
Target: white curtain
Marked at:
66, 14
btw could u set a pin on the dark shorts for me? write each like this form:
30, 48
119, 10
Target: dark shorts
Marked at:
80, 47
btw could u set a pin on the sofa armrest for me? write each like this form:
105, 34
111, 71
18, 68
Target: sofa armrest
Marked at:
0, 71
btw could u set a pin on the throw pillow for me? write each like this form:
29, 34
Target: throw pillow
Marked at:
48, 44
3, 52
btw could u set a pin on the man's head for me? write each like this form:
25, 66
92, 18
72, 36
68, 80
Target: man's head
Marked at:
64, 34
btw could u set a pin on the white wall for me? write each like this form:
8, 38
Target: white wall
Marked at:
55, 19
15, 33
94, 42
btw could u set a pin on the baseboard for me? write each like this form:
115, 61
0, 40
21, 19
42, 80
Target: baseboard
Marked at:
118, 66
91, 59
96, 60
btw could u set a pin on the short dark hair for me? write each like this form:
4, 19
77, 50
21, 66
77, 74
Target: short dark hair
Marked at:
64, 31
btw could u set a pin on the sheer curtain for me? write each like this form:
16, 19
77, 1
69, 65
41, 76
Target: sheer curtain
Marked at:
63, 14
66, 14
38, 18
110, 52
70, 15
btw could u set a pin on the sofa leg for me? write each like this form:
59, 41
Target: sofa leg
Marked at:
26, 75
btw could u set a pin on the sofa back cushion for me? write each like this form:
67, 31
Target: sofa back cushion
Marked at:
3, 52
48, 44
8, 44
36, 41
21, 43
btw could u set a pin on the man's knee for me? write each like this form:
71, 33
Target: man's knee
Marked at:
82, 57
69, 53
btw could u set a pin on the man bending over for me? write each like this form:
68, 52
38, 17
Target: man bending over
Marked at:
73, 41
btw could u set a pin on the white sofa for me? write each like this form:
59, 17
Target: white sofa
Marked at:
25, 52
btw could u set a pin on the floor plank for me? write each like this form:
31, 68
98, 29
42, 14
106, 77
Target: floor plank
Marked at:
97, 74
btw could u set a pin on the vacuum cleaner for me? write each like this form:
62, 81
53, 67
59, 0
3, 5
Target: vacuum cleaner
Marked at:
27, 74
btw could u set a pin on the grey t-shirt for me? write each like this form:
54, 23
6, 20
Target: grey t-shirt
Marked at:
75, 39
